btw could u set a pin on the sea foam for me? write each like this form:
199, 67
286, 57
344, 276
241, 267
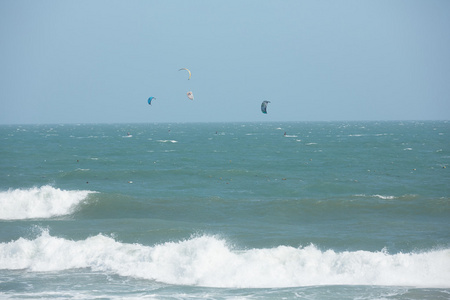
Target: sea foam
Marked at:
39, 202
209, 261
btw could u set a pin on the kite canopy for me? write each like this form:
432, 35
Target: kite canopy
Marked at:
190, 95
186, 70
150, 100
264, 106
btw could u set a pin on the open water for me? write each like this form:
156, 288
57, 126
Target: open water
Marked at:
337, 210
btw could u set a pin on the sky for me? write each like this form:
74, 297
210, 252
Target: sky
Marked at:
99, 61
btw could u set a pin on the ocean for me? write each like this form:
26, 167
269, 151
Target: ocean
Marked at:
293, 210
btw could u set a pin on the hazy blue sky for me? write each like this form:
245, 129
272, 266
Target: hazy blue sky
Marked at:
97, 61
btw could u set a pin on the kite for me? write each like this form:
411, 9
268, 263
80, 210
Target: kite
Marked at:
150, 100
264, 106
186, 70
190, 95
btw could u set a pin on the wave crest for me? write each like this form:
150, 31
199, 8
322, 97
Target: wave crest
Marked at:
209, 261
39, 202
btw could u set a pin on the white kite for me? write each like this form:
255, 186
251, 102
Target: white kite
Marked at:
186, 70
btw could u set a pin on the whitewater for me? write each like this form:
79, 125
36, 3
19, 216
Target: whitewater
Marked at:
356, 210
43, 202
210, 262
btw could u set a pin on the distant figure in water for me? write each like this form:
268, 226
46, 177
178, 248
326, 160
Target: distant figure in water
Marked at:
285, 133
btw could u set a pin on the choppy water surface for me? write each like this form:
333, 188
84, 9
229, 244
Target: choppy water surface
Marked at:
336, 210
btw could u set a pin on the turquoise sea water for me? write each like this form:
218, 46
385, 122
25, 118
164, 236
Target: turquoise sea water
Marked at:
336, 210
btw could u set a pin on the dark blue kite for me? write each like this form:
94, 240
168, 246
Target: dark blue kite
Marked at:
264, 107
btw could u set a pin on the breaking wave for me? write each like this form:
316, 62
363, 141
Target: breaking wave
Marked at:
39, 202
210, 261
